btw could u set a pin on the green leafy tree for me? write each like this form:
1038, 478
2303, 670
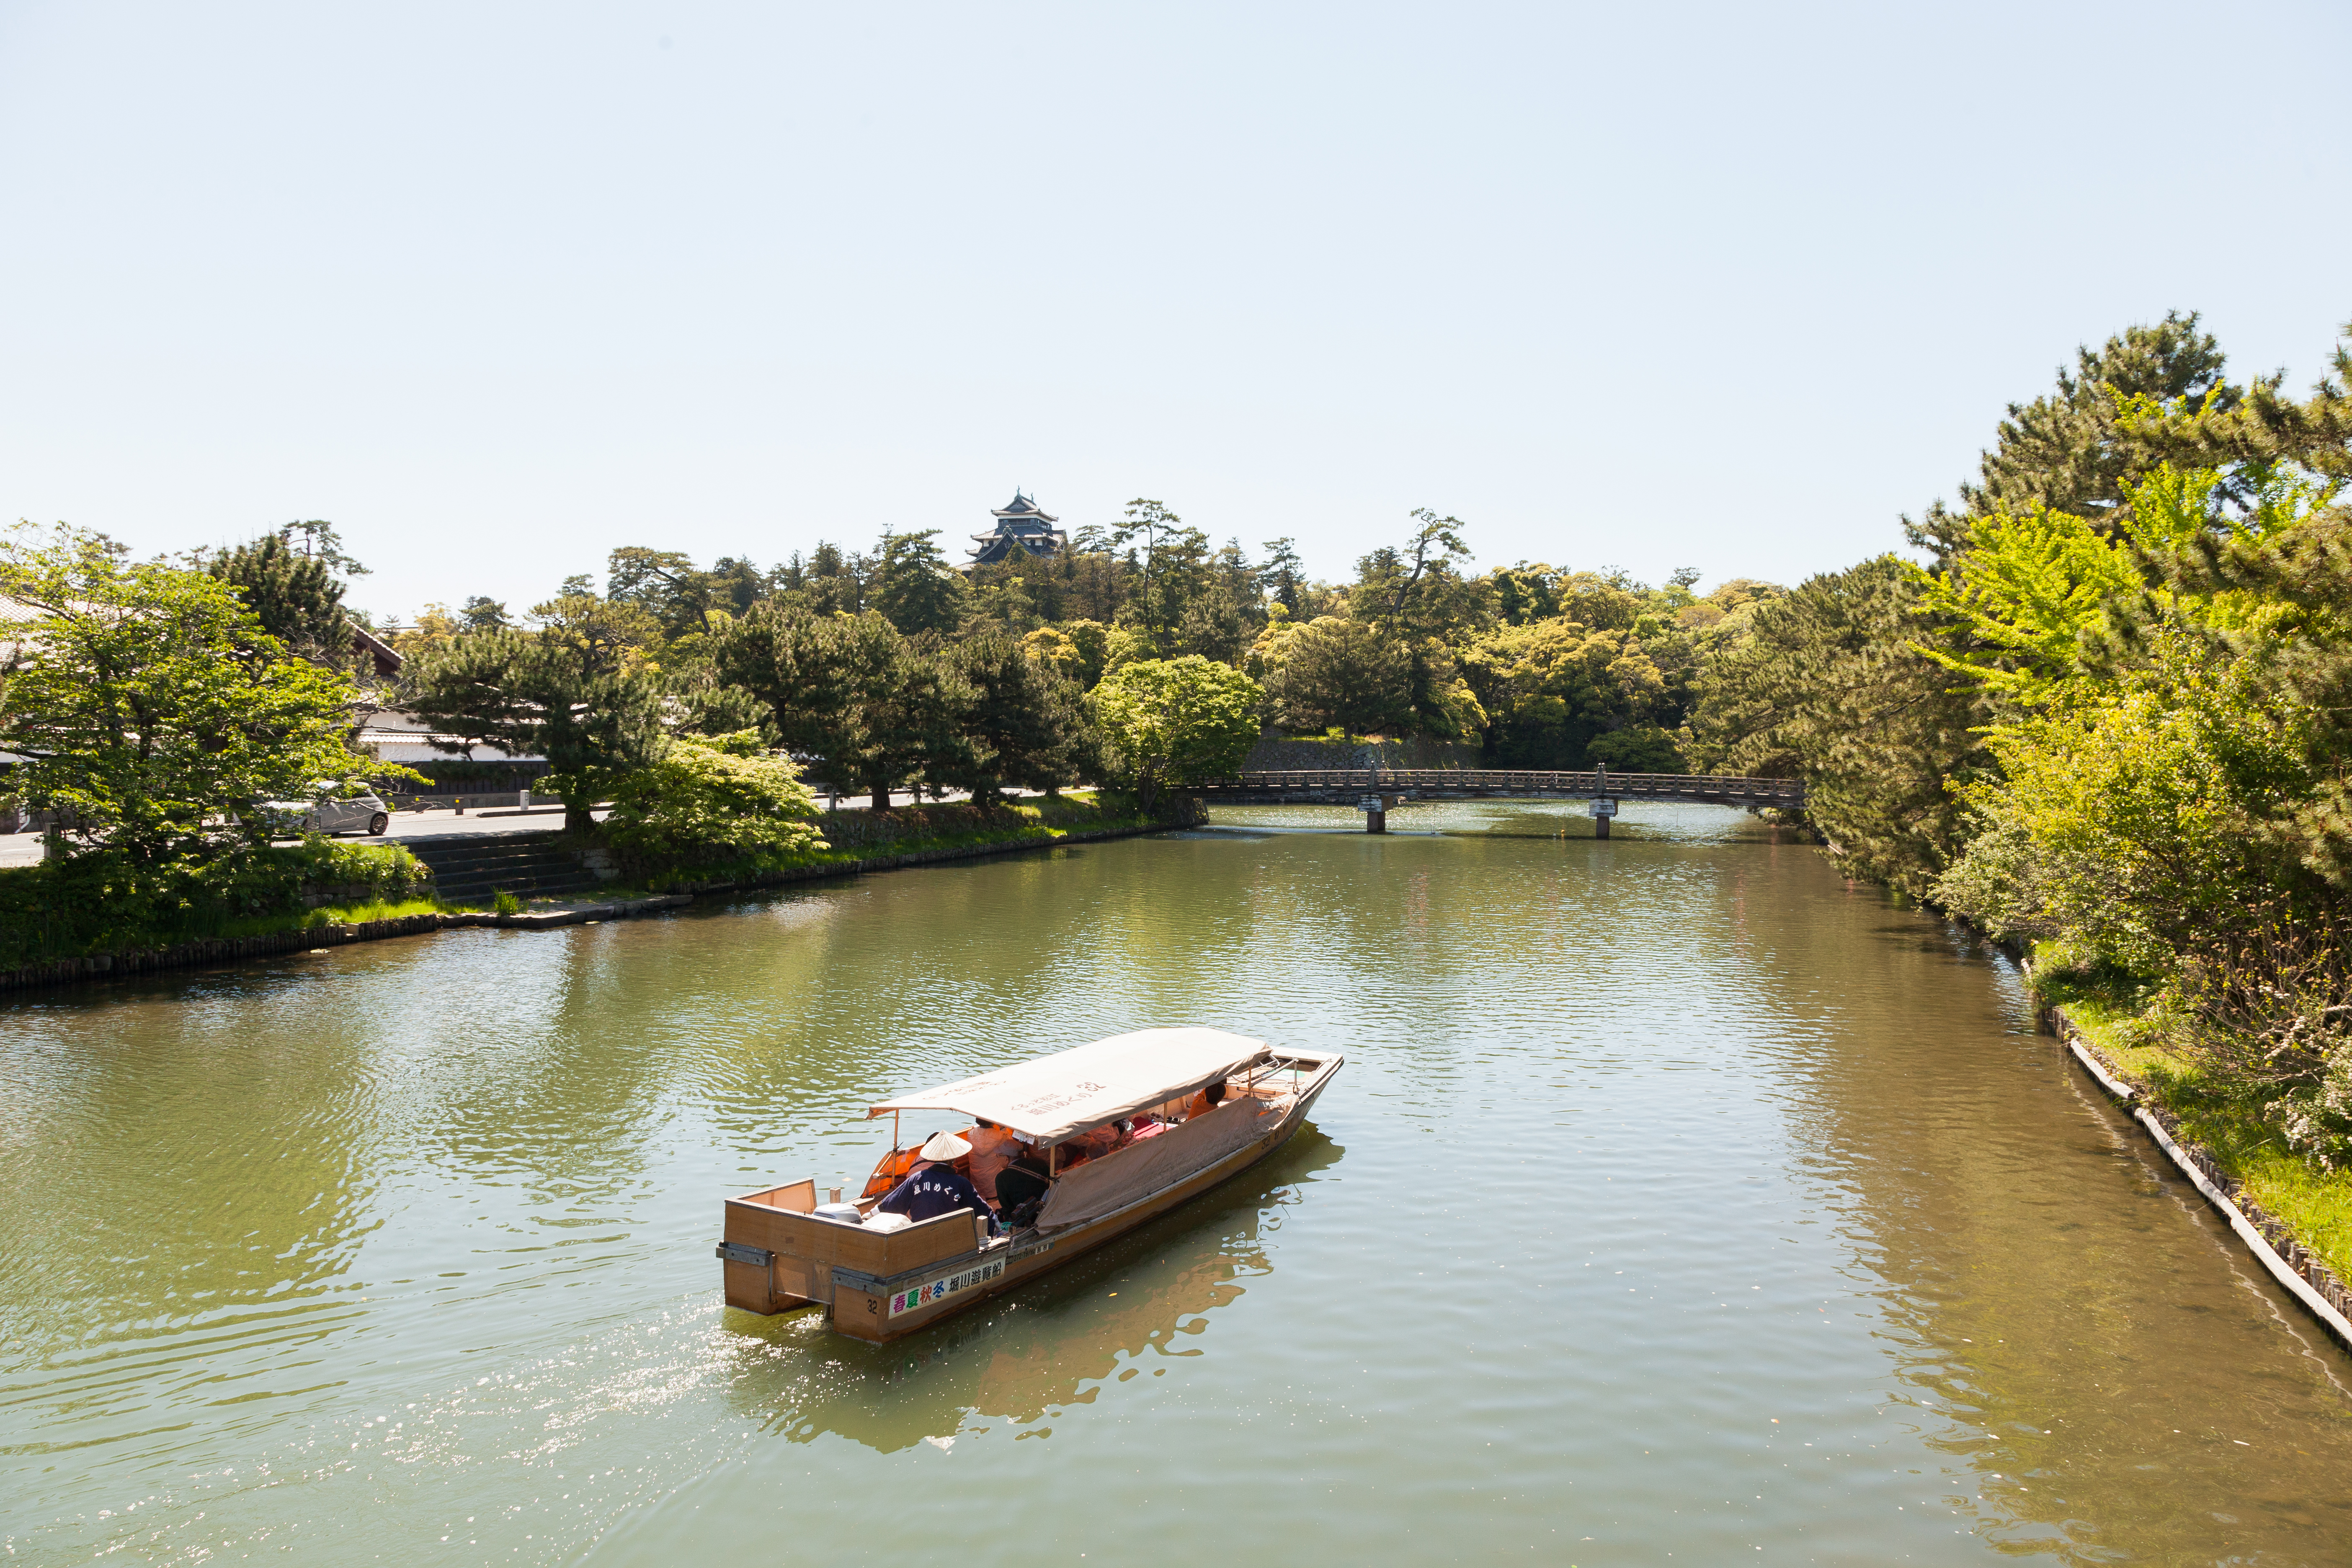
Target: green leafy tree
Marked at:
1552, 690
551, 694
151, 705
1177, 722
1636, 749
723, 796
2132, 812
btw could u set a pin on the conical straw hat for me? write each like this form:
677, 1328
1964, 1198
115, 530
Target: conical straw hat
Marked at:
945, 1146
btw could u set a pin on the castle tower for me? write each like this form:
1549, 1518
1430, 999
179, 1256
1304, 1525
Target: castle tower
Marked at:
1019, 526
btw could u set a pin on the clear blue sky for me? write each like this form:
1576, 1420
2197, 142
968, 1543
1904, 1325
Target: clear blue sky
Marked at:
496, 288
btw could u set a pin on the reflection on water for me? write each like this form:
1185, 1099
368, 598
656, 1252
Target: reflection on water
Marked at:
1679, 1199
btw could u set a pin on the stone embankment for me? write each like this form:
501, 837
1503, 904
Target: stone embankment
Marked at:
2293, 1265
230, 950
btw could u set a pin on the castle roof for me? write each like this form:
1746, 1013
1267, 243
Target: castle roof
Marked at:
1021, 505
1022, 526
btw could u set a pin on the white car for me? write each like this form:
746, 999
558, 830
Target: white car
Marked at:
350, 806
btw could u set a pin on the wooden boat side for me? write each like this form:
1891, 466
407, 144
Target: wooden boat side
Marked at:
860, 1300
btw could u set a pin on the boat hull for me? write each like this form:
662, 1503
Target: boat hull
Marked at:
880, 1287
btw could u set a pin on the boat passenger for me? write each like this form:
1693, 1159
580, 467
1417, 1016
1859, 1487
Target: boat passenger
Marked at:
992, 1149
1094, 1145
933, 1188
1205, 1102
1023, 1181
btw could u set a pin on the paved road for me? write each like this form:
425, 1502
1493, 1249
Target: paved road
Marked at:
24, 848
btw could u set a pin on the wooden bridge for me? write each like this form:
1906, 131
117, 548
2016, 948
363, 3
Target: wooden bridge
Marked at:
1374, 790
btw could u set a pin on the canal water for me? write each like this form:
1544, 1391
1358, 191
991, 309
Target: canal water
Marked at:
1679, 1202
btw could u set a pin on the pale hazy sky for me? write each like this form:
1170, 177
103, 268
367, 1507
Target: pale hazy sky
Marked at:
498, 288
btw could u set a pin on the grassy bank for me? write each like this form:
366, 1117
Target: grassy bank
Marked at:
855, 837
97, 903
88, 909
2111, 1012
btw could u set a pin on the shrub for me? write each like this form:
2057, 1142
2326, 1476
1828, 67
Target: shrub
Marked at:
713, 797
1177, 722
104, 900
2267, 1014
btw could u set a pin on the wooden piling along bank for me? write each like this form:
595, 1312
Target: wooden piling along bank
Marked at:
207, 951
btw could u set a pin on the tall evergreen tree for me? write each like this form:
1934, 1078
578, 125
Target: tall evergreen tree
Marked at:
543, 693
1827, 687
909, 703
2066, 449
1282, 572
796, 665
863, 707
298, 598
1029, 721
913, 586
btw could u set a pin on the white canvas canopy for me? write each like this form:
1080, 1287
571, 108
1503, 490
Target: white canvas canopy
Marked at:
1074, 1091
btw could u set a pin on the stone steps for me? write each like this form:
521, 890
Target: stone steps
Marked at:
472, 869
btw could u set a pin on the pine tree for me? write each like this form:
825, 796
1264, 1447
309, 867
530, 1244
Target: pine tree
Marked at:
1827, 687
2066, 449
913, 586
541, 693
298, 599
1028, 720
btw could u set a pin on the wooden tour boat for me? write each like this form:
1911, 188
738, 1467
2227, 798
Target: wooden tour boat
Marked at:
781, 1253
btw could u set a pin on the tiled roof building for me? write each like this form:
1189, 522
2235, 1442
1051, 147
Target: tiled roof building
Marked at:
1019, 526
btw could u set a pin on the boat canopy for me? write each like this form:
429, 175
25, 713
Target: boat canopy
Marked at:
1076, 1091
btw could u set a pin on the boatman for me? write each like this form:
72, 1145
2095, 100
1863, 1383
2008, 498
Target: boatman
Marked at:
932, 1188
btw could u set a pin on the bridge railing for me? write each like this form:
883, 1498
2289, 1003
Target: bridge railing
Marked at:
1512, 780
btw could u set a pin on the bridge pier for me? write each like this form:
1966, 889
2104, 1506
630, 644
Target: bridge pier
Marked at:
1375, 808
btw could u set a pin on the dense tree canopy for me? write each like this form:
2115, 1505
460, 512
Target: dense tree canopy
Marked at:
547, 693
154, 710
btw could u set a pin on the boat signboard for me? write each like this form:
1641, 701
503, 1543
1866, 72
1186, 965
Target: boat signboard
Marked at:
916, 1296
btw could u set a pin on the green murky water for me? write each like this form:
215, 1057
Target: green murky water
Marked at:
1679, 1202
